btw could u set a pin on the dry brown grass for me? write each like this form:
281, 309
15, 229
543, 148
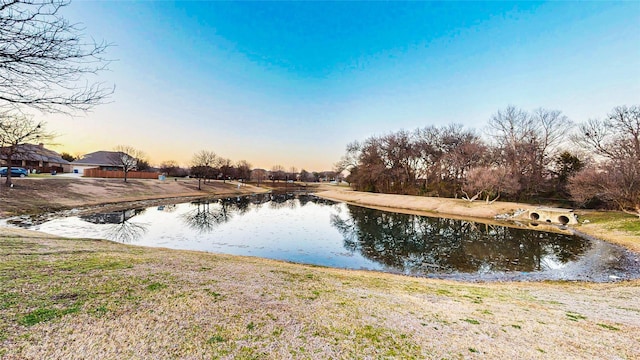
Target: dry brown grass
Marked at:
51, 194
86, 299
428, 205
72, 299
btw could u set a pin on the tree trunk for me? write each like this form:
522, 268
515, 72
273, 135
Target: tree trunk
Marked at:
8, 181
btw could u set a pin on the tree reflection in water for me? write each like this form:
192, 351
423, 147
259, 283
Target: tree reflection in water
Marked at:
418, 244
118, 226
295, 227
204, 218
207, 214
282, 200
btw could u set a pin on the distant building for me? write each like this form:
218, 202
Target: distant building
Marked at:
39, 159
102, 160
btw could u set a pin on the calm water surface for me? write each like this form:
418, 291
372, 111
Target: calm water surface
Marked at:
309, 230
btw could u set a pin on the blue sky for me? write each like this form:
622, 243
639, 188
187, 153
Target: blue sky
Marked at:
291, 83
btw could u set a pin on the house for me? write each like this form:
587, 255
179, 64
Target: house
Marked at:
37, 158
102, 160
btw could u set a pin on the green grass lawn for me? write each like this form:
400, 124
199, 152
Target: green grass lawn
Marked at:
614, 220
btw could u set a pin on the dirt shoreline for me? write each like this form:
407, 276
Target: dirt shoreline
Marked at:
427, 205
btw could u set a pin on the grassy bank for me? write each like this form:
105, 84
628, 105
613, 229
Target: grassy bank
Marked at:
38, 195
613, 226
64, 299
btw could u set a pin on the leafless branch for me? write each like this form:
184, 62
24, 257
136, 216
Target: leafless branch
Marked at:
45, 62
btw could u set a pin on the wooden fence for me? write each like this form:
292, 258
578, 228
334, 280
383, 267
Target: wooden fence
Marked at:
119, 174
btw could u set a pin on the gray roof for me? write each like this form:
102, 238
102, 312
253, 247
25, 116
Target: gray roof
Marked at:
33, 152
98, 158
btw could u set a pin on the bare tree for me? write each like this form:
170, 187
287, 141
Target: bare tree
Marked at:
513, 132
616, 176
490, 182
551, 129
369, 174
277, 173
429, 159
226, 169
589, 184
526, 143
259, 175
16, 130
614, 138
45, 61
400, 159
126, 157
437, 160
305, 176
349, 161
430, 152
171, 168
461, 150
243, 170
202, 165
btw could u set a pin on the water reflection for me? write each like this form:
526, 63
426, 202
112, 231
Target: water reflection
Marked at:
306, 229
207, 214
281, 201
169, 208
418, 244
117, 225
204, 218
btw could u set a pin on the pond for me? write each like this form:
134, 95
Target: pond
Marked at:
306, 229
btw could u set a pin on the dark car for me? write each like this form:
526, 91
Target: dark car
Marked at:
15, 171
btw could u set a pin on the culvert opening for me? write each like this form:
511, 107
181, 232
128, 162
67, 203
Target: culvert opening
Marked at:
563, 220
534, 216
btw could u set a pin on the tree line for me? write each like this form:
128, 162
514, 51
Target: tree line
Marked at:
522, 155
206, 165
